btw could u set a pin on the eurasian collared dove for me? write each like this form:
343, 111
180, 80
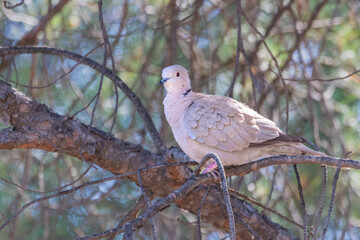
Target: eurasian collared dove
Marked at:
204, 124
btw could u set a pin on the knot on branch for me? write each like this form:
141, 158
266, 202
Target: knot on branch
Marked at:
177, 174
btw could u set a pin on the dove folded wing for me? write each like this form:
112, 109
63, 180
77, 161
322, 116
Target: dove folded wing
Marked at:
226, 124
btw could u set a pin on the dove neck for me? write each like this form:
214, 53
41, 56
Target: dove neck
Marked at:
187, 92
178, 95
178, 92
175, 103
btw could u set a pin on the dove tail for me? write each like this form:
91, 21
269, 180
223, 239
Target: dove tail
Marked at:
289, 145
301, 149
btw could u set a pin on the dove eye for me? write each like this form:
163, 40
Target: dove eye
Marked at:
178, 74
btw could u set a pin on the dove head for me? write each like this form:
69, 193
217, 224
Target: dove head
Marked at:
176, 80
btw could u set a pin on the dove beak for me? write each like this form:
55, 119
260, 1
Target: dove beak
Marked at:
163, 80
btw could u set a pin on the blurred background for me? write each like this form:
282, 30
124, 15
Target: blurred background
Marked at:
297, 51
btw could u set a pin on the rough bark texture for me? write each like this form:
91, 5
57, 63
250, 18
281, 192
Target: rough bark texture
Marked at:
35, 126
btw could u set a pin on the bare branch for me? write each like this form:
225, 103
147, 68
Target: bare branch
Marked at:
284, 159
130, 216
57, 194
322, 200
198, 216
302, 200
319, 79
101, 69
336, 177
14, 6
57, 79
246, 198
143, 193
30, 37
224, 190
255, 82
238, 50
158, 205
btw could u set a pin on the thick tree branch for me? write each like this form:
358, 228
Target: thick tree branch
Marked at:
34, 125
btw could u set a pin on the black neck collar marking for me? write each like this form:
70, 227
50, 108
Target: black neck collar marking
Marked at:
187, 92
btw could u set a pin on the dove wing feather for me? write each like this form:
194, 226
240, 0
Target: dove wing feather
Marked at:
226, 124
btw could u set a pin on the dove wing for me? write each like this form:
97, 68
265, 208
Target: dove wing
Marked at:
226, 124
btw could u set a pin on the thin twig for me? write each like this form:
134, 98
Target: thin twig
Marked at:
302, 201
272, 185
299, 38
58, 78
10, 226
148, 204
278, 69
322, 200
246, 198
319, 79
313, 145
86, 184
224, 190
193, 182
242, 49
197, 7
109, 50
131, 215
336, 177
249, 228
238, 14
247, 168
49, 191
128, 229
322, 196
19, 186
97, 96
198, 216
16, 71
14, 6
84, 108
271, 25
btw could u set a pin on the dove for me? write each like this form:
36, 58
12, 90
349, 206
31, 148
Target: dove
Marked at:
203, 124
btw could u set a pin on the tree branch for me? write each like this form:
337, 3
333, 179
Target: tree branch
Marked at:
103, 70
247, 168
35, 126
